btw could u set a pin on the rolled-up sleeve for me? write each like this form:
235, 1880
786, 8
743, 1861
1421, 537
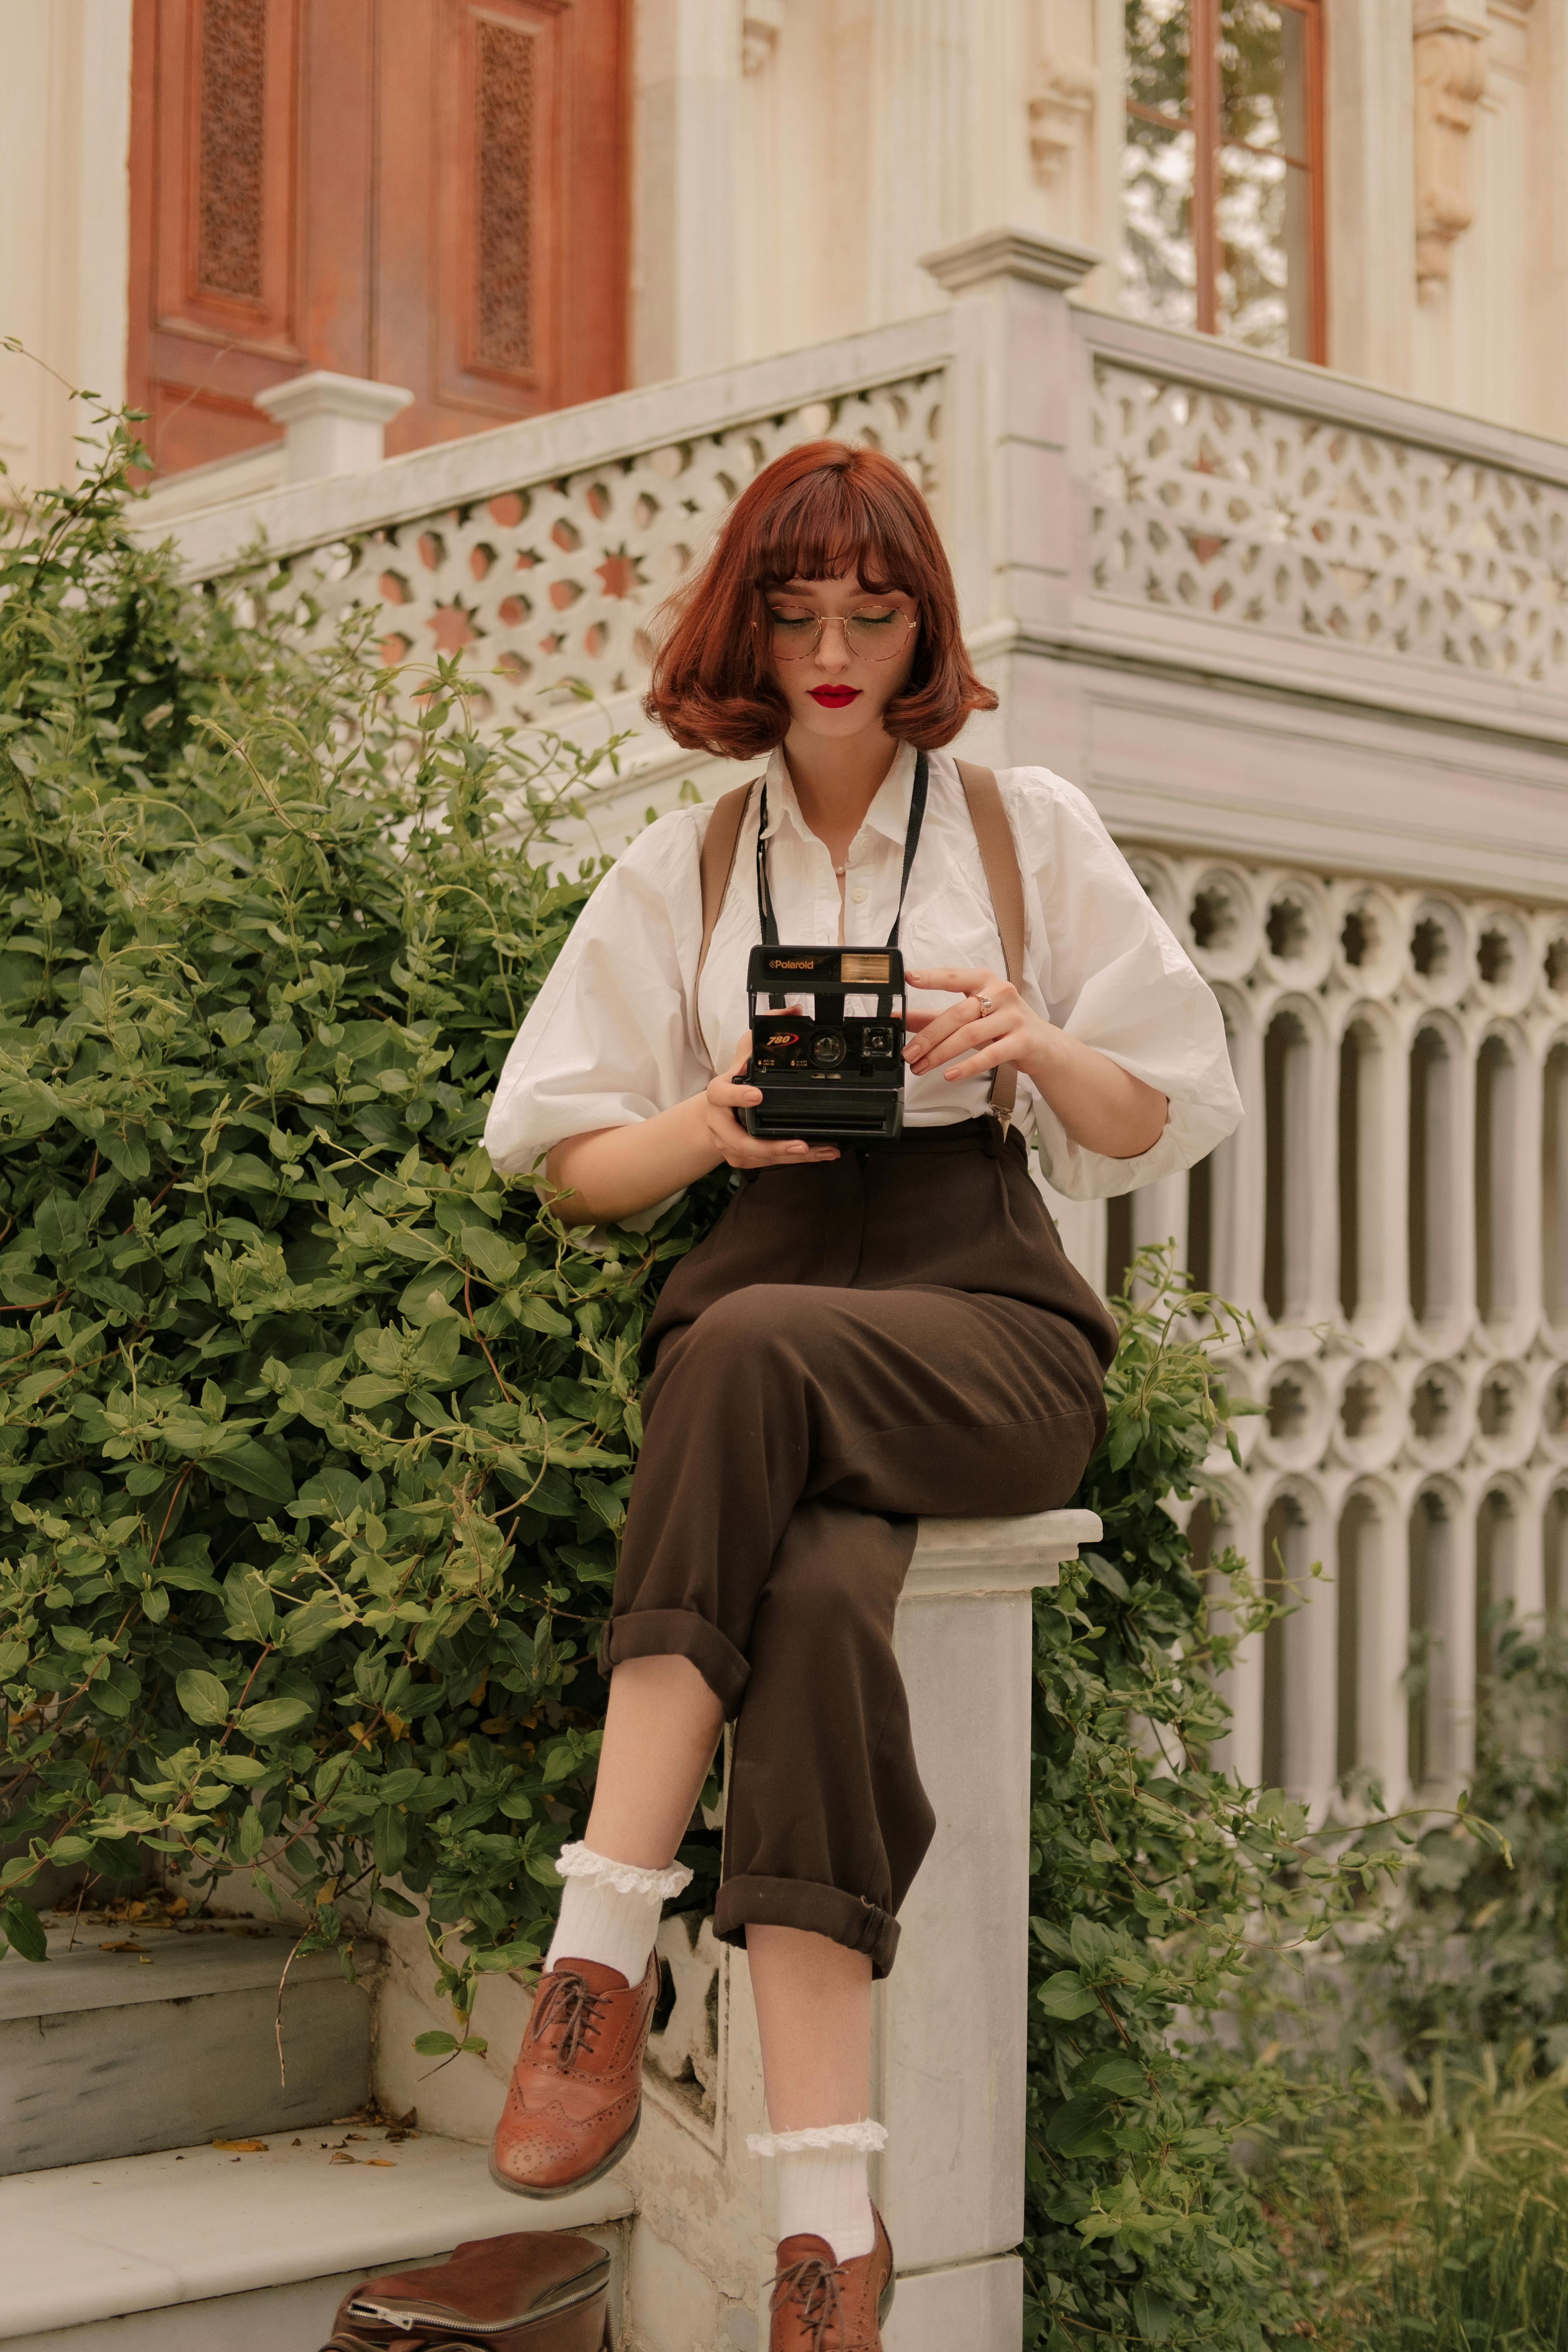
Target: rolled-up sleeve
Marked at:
606, 1042
1111, 973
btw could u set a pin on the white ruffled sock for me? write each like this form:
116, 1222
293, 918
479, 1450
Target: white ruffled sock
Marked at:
823, 2190
610, 1910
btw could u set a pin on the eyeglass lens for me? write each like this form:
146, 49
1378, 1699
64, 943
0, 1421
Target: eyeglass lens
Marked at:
873, 636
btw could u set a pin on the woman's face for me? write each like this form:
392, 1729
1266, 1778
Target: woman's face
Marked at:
842, 687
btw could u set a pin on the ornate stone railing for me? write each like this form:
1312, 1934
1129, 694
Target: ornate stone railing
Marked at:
1395, 1213
1278, 516
1117, 498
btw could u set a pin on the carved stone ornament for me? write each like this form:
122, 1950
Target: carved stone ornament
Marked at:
1450, 81
760, 27
1060, 113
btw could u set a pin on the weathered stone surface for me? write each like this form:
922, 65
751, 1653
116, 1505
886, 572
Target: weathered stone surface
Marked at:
116, 2054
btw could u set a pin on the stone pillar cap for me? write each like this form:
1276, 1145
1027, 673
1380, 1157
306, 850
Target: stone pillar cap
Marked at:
979, 1559
320, 392
1055, 261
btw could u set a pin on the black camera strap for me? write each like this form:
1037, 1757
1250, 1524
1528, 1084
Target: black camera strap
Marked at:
911, 843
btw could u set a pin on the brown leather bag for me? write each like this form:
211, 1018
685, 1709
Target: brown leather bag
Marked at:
535, 2291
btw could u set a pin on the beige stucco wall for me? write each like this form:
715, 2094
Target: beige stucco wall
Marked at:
793, 159
65, 122
797, 157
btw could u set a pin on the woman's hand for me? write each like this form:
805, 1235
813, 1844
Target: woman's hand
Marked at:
724, 1098
990, 1024
1103, 1107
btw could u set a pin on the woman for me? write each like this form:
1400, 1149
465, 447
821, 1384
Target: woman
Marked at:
871, 1331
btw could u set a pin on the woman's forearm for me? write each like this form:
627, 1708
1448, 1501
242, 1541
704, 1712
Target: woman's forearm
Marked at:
1103, 1107
616, 1170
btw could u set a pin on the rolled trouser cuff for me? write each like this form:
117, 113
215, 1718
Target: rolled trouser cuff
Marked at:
847, 1919
678, 1633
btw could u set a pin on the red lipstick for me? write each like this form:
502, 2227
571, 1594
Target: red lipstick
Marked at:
834, 698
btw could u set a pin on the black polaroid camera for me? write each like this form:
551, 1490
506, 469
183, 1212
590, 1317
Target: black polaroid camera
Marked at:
832, 1075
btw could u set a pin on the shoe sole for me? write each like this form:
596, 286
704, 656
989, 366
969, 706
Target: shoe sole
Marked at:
568, 2188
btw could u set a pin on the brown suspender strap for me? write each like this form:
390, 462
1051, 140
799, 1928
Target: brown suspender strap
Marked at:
715, 866
1004, 880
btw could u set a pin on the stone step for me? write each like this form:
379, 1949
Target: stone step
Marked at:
198, 2249
112, 2053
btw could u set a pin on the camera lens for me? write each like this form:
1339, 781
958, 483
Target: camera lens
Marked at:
827, 1050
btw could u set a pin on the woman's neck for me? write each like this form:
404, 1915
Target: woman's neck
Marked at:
836, 783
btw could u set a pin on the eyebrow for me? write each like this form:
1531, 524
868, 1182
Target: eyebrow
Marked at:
802, 592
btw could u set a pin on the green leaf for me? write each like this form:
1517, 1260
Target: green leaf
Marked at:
271, 1717
251, 1611
22, 1929
495, 1258
1152, 2314
1123, 2076
205, 1699
435, 2044
1077, 2126
390, 1840
256, 1466
1105, 1573
537, 1317
371, 1388
1064, 1995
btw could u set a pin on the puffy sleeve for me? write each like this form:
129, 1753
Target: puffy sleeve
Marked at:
607, 1040
1110, 971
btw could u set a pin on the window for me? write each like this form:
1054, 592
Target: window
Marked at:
1222, 174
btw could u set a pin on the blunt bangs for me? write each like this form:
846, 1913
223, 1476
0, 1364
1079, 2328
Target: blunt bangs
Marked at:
827, 525
816, 513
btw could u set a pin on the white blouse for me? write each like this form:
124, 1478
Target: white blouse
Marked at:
612, 1037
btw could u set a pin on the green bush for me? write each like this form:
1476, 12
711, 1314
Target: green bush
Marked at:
316, 1437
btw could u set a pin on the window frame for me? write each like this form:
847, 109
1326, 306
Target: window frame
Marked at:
1203, 117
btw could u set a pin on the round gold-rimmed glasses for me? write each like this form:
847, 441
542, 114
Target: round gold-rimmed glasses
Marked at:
870, 637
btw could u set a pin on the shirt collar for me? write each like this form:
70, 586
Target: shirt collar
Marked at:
888, 813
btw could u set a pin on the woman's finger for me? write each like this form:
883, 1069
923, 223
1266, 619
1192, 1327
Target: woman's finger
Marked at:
962, 983
965, 1039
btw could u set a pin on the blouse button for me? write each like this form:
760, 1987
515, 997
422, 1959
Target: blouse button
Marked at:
858, 896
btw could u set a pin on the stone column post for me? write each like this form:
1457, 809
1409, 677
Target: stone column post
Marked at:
332, 423
952, 2015
1013, 518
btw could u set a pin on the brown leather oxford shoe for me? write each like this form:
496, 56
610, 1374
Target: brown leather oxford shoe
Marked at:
821, 2305
576, 2090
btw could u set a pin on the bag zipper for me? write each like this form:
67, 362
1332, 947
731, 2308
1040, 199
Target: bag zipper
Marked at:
406, 2321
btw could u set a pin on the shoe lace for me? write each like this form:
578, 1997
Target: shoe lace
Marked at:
567, 2006
815, 2284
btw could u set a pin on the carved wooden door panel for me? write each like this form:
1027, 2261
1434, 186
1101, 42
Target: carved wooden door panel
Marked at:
401, 189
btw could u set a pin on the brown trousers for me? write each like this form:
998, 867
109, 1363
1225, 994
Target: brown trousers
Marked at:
856, 1343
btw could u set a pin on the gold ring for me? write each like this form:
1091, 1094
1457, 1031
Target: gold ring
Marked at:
985, 1004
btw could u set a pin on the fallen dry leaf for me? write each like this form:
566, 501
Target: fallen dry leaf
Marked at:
340, 2157
388, 2163
125, 1945
242, 2147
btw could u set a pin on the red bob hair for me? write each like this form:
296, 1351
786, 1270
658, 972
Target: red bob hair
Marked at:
814, 514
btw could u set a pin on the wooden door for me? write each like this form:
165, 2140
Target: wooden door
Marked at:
399, 189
